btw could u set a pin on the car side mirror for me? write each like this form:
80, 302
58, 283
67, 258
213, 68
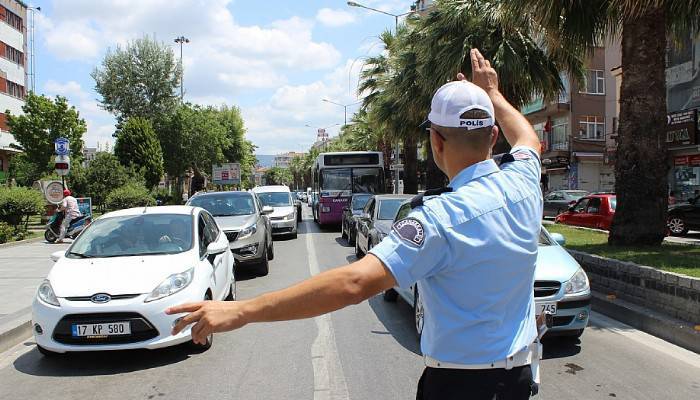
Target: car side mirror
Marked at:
217, 247
267, 210
559, 238
57, 255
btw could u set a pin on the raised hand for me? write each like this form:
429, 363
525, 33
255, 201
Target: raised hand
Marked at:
483, 75
208, 317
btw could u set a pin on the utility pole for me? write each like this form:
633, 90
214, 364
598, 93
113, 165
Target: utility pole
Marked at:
32, 69
182, 40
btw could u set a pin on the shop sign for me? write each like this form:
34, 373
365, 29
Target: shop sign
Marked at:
694, 160
682, 128
680, 160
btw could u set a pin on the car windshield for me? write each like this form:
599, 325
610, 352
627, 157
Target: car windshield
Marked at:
358, 202
134, 235
388, 208
275, 199
575, 195
225, 204
613, 203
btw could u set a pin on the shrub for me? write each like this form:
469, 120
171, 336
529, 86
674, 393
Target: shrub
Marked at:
129, 195
6, 232
162, 195
18, 202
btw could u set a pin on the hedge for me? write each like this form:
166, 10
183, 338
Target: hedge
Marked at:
18, 202
7, 233
128, 196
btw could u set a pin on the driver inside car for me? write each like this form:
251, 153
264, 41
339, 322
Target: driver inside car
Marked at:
176, 234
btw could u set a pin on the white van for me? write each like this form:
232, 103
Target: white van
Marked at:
284, 215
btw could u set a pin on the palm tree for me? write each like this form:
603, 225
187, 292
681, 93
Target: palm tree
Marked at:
641, 167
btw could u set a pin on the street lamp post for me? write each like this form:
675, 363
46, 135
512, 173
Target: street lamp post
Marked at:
345, 107
182, 40
32, 70
397, 159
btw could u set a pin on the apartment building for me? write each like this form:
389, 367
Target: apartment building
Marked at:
282, 160
13, 75
577, 129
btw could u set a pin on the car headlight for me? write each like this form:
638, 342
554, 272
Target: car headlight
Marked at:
289, 217
325, 209
171, 285
248, 232
578, 283
45, 293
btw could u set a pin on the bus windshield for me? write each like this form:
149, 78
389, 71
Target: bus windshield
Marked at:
359, 180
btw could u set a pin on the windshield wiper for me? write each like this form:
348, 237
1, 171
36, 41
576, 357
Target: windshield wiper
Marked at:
81, 255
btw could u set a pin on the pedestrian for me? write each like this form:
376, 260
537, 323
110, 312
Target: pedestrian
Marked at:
671, 198
69, 207
471, 248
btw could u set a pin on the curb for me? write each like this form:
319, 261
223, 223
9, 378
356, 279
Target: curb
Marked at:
15, 330
672, 330
21, 242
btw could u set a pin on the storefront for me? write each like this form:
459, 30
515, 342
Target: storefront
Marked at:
684, 154
685, 179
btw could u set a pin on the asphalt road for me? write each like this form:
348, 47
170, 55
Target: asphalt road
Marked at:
367, 351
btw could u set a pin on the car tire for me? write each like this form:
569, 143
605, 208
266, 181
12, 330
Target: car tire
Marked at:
210, 339
299, 215
677, 226
231, 296
343, 235
418, 313
271, 250
391, 295
352, 237
47, 353
358, 252
264, 266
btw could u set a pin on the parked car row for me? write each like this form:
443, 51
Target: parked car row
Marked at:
108, 290
561, 286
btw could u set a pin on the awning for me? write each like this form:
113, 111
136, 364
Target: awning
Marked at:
581, 154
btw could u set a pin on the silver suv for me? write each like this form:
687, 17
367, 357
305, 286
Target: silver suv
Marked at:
246, 225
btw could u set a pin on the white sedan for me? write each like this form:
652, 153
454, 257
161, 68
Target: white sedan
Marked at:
110, 289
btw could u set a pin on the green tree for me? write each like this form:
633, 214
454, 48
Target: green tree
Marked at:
139, 80
23, 171
240, 150
103, 174
278, 176
42, 122
641, 167
137, 144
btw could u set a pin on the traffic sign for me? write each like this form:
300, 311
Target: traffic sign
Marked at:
226, 174
62, 165
61, 146
396, 167
54, 192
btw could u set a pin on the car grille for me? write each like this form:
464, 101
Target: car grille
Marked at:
115, 297
546, 288
276, 218
141, 329
282, 230
231, 235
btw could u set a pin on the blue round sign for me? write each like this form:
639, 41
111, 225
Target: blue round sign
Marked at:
62, 147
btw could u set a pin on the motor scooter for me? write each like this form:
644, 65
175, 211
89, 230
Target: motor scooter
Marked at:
53, 228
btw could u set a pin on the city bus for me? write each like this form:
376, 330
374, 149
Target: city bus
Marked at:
336, 176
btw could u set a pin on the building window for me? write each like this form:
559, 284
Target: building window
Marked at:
594, 82
560, 134
592, 127
14, 55
13, 19
15, 90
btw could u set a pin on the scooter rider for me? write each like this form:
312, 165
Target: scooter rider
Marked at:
69, 206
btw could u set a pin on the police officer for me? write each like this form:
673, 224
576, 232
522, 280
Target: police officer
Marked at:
471, 247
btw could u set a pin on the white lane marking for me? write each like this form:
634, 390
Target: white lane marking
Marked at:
645, 339
329, 379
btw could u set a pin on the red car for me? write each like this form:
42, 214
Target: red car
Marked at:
592, 211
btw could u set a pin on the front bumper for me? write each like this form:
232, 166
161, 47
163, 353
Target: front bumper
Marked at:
572, 314
283, 227
249, 250
150, 326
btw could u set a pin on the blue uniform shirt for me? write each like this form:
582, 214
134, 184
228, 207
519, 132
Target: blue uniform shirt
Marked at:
473, 253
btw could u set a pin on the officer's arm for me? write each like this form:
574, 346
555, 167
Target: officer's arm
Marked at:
322, 293
515, 127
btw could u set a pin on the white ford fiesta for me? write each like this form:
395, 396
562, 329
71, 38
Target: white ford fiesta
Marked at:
110, 289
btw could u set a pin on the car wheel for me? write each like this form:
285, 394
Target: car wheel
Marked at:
50, 236
231, 291
210, 339
264, 266
343, 235
677, 226
358, 252
299, 215
271, 250
419, 313
47, 353
390, 295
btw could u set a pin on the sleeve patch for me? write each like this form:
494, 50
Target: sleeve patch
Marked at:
410, 230
521, 155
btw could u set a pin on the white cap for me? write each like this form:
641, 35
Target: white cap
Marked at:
455, 98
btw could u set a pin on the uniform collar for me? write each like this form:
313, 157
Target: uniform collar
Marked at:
473, 172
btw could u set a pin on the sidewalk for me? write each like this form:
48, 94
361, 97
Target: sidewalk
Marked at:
22, 268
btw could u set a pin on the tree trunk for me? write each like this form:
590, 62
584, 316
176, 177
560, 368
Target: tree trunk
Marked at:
410, 173
641, 167
385, 146
434, 177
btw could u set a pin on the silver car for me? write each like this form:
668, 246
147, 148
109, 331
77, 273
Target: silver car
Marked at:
246, 225
561, 287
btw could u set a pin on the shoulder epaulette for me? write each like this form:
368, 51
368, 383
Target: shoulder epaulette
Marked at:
506, 158
417, 201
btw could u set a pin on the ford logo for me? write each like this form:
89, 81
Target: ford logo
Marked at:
100, 298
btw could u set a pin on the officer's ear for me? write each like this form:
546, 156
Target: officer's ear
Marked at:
494, 136
437, 142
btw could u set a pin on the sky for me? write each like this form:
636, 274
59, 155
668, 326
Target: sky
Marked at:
274, 59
